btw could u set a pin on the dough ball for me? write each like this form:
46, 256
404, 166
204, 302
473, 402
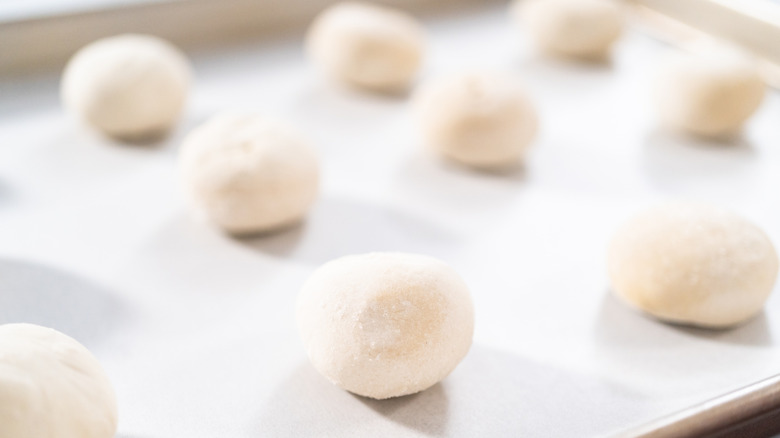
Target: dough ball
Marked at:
476, 119
367, 46
385, 325
693, 264
248, 173
576, 28
127, 86
51, 386
710, 93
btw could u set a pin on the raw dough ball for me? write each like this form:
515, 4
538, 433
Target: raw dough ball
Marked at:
577, 28
366, 45
709, 93
476, 119
385, 325
51, 386
249, 174
693, 264
127, 86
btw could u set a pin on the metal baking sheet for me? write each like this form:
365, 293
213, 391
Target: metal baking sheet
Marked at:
196, 329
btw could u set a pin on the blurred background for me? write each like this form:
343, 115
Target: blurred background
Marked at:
36, 34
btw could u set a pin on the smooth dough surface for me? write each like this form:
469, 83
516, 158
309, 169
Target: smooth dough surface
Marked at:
249, 173
385, 325
127, 86
52, 387
693, 264
711, 92
367, 46
480, 120
576, 28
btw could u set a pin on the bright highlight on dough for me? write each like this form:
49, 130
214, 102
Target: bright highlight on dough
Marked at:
248, 173
385, 325
576, 28
693, 264
480, 120
127, 86
51, 386
710, 92
367, 46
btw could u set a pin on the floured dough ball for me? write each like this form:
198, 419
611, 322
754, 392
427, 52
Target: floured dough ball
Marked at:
127, 86
480, 120
711, 92
51, 386
248, 173
385, 325
693, 264
367, 46
577, 28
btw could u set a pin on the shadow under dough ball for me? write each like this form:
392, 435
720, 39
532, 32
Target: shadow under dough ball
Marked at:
480, 120
367, 46
248, 173
584, 29
693, 264
127, 86
385, 325
711, 92
51, 386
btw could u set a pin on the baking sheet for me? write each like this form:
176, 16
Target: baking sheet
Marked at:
196, 329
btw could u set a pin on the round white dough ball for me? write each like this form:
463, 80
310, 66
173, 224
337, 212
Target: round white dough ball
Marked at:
577, 28
248, 173
127, 86
51, 386
367, 46
479, 120
693, 264
709, 93
385, 325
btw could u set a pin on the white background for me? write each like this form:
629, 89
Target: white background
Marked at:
196, 329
